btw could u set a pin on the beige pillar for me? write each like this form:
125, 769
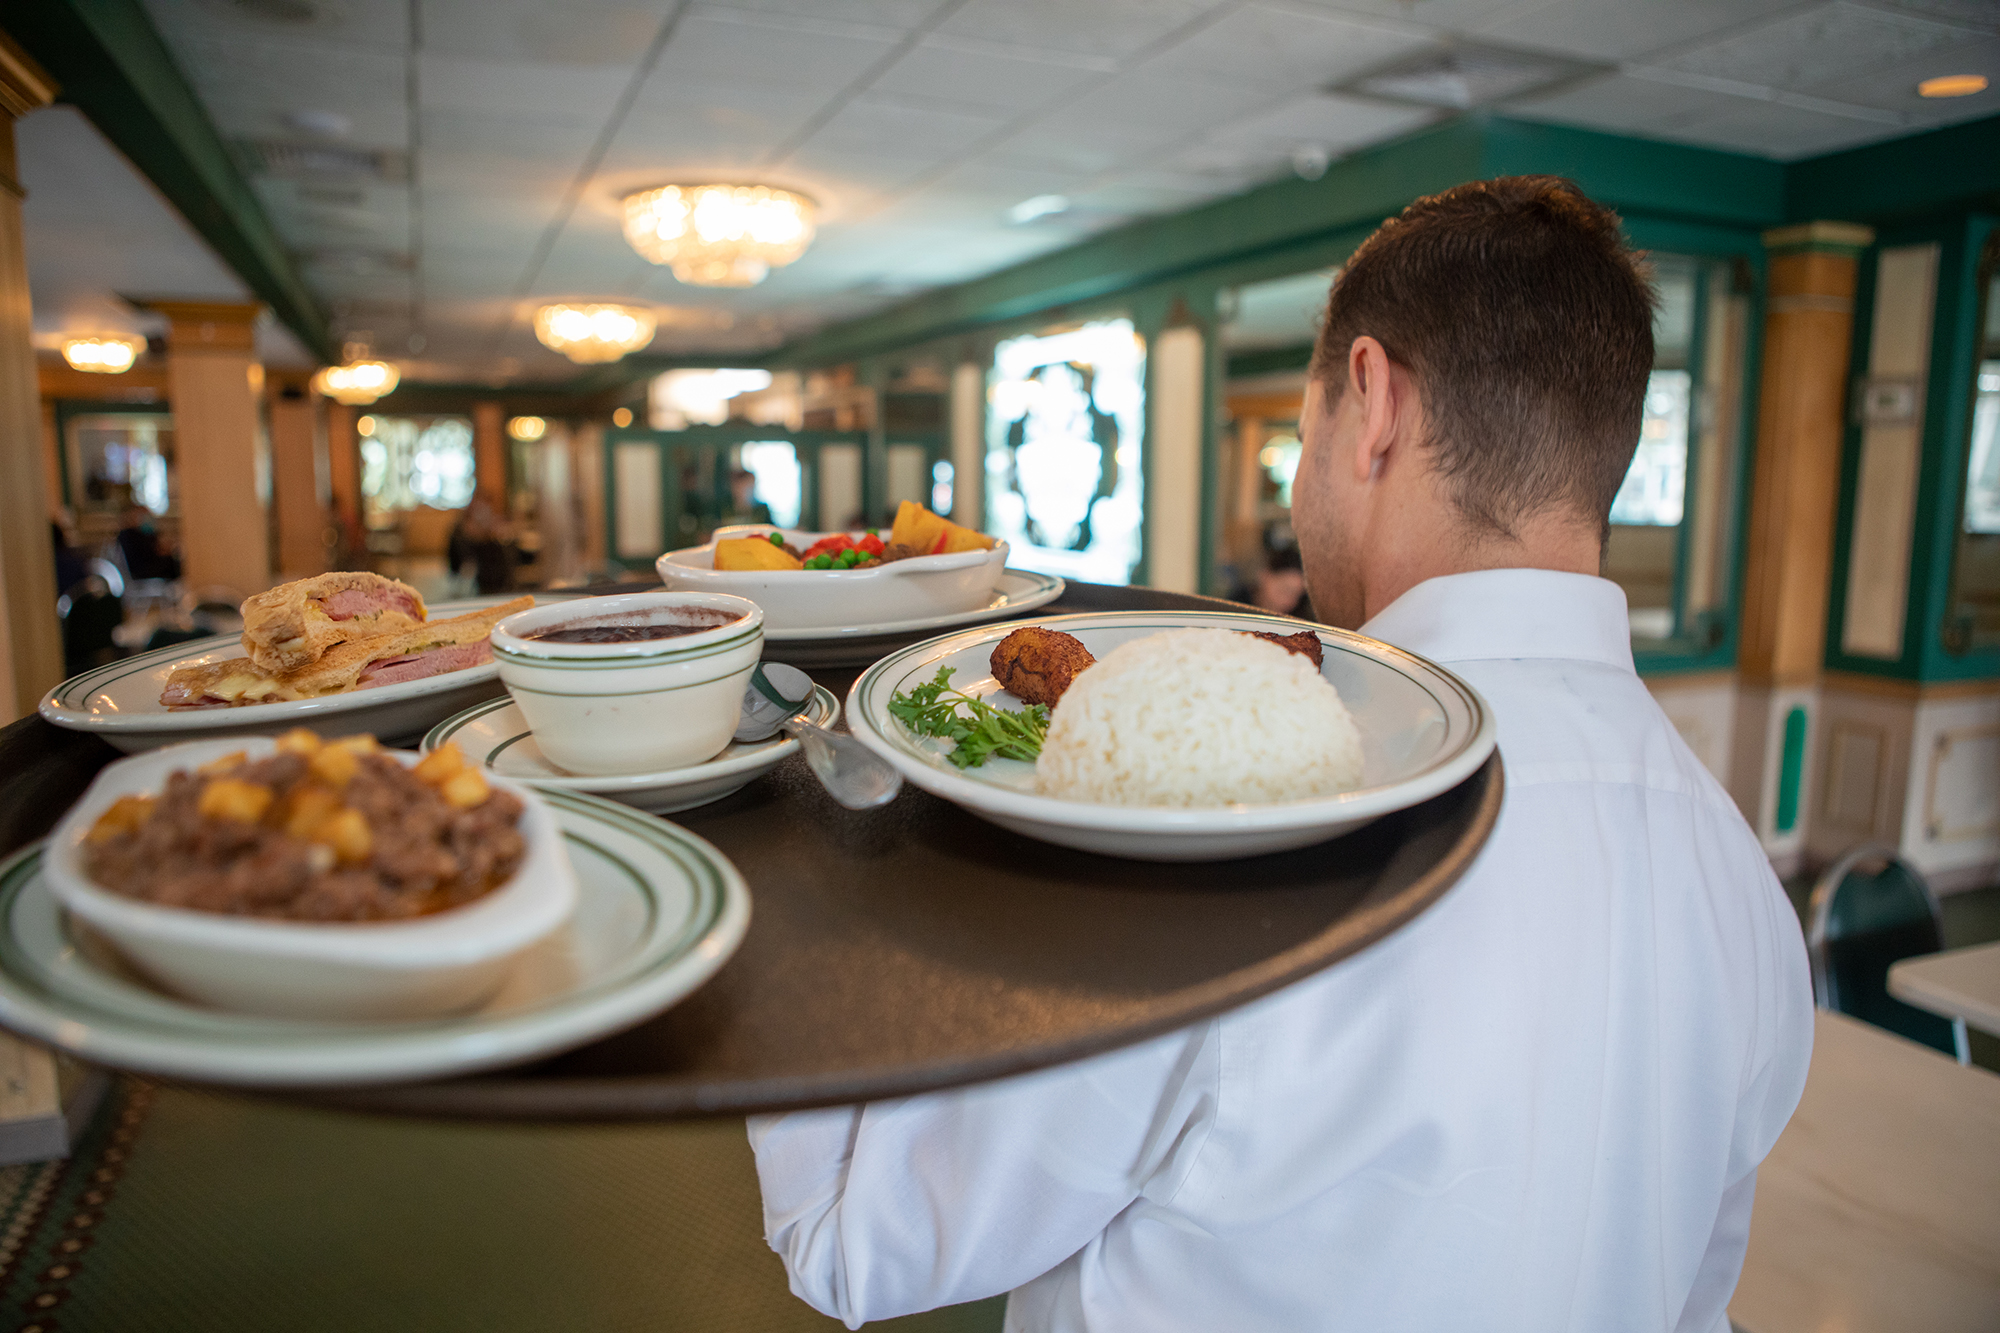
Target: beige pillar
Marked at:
30, 638
1795, 487
298, 495
215, 383
489, 452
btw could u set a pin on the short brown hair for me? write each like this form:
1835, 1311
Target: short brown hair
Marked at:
1527, 324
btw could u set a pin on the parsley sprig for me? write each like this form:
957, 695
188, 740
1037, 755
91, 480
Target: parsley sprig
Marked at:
933, 710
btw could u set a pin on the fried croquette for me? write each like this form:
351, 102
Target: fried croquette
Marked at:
1305, 643
1036, 665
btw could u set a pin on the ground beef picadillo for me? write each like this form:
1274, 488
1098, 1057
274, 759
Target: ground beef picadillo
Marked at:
424, 856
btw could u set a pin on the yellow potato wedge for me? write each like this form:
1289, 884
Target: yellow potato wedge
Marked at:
752, 553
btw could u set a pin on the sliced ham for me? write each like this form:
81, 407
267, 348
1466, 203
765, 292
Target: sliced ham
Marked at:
351, 602
431, 662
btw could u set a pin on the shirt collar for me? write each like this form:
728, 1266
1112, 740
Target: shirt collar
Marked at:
1510, 613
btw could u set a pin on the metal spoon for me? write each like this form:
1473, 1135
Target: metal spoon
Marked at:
849, 770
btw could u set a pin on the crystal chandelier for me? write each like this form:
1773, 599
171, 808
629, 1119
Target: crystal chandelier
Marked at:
719, 235
591, 334
361, 379
101, 355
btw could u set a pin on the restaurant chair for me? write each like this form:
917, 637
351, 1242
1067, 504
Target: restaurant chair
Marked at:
1869, 910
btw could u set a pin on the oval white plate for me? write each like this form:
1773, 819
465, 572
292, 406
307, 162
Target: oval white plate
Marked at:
121, 701
1019, 591
659, 912
1423, 731
496, 735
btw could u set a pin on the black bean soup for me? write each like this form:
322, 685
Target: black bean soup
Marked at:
693, 620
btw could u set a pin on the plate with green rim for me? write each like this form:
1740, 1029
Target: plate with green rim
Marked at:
660, 911
1423, 731
121, 700
495, 734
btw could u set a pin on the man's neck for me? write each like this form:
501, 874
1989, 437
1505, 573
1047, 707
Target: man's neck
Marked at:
1547, 541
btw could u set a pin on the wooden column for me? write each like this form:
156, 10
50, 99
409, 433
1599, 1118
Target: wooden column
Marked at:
220, 471
30, 638
1801, 414
298, 472
489, 452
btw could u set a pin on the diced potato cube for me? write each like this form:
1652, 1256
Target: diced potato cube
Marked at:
440, 764
299, 741
753, 553
231, 798
349, 836
223, 763
361, 744
125, 815
307, 810
334, 765
465, 789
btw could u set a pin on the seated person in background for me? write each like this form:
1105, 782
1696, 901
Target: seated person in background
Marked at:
148, 555
485, 538
1538, 1106
70, 566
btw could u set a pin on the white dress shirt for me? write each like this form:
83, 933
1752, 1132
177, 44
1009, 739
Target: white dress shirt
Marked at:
1538, 1106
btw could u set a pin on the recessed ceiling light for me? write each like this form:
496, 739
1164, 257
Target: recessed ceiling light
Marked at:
1041, 206
1952, 85
1467, 75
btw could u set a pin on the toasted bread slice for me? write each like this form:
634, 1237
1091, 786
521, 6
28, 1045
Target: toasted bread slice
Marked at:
432, 648
295, 624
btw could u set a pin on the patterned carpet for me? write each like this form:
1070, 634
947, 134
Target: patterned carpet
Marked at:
193, 1211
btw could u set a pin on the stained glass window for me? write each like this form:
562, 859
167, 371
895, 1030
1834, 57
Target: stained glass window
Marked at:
1064, 431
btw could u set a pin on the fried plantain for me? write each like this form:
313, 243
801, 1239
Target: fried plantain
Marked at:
1036, 665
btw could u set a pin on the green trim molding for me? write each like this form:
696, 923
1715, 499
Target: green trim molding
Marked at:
114, 68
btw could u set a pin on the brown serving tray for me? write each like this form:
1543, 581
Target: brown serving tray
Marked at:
917, 947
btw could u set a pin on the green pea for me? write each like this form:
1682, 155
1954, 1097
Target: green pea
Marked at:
777, 538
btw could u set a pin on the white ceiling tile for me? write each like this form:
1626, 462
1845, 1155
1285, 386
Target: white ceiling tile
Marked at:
1008, 83
1115, 28
1621, 29
900, 14
377, 24
871, 125
1616, 102
710, 49
574, 33
1286, 50
1982, 14
249, 84
95, 228
1828, 43
1326, 120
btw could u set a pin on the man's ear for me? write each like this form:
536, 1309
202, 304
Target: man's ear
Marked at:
1374, 396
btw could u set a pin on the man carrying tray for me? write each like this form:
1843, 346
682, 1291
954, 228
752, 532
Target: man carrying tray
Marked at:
1538, 1106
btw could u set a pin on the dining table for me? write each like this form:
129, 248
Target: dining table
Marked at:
1879, 1209
915, 947
1958, 983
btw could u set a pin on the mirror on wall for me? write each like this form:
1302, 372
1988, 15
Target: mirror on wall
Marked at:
1974, 620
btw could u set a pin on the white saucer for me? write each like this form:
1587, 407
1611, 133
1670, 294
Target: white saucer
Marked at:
121, 701
659, 912
496, 735
1423, 731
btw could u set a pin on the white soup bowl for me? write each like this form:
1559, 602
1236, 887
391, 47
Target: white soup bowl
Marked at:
646, 706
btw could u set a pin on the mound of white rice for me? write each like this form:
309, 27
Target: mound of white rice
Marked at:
1199, 717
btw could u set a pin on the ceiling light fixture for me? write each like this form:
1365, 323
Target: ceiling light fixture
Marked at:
1041, 206
360, 381
720, 235
593, 334
1952, 85
527, 429
101, 354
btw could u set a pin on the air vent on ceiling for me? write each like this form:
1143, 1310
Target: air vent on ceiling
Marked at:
319, 161
1465, 76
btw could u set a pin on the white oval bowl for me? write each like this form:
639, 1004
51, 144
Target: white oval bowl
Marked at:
794, 599
444, 963
602, 709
